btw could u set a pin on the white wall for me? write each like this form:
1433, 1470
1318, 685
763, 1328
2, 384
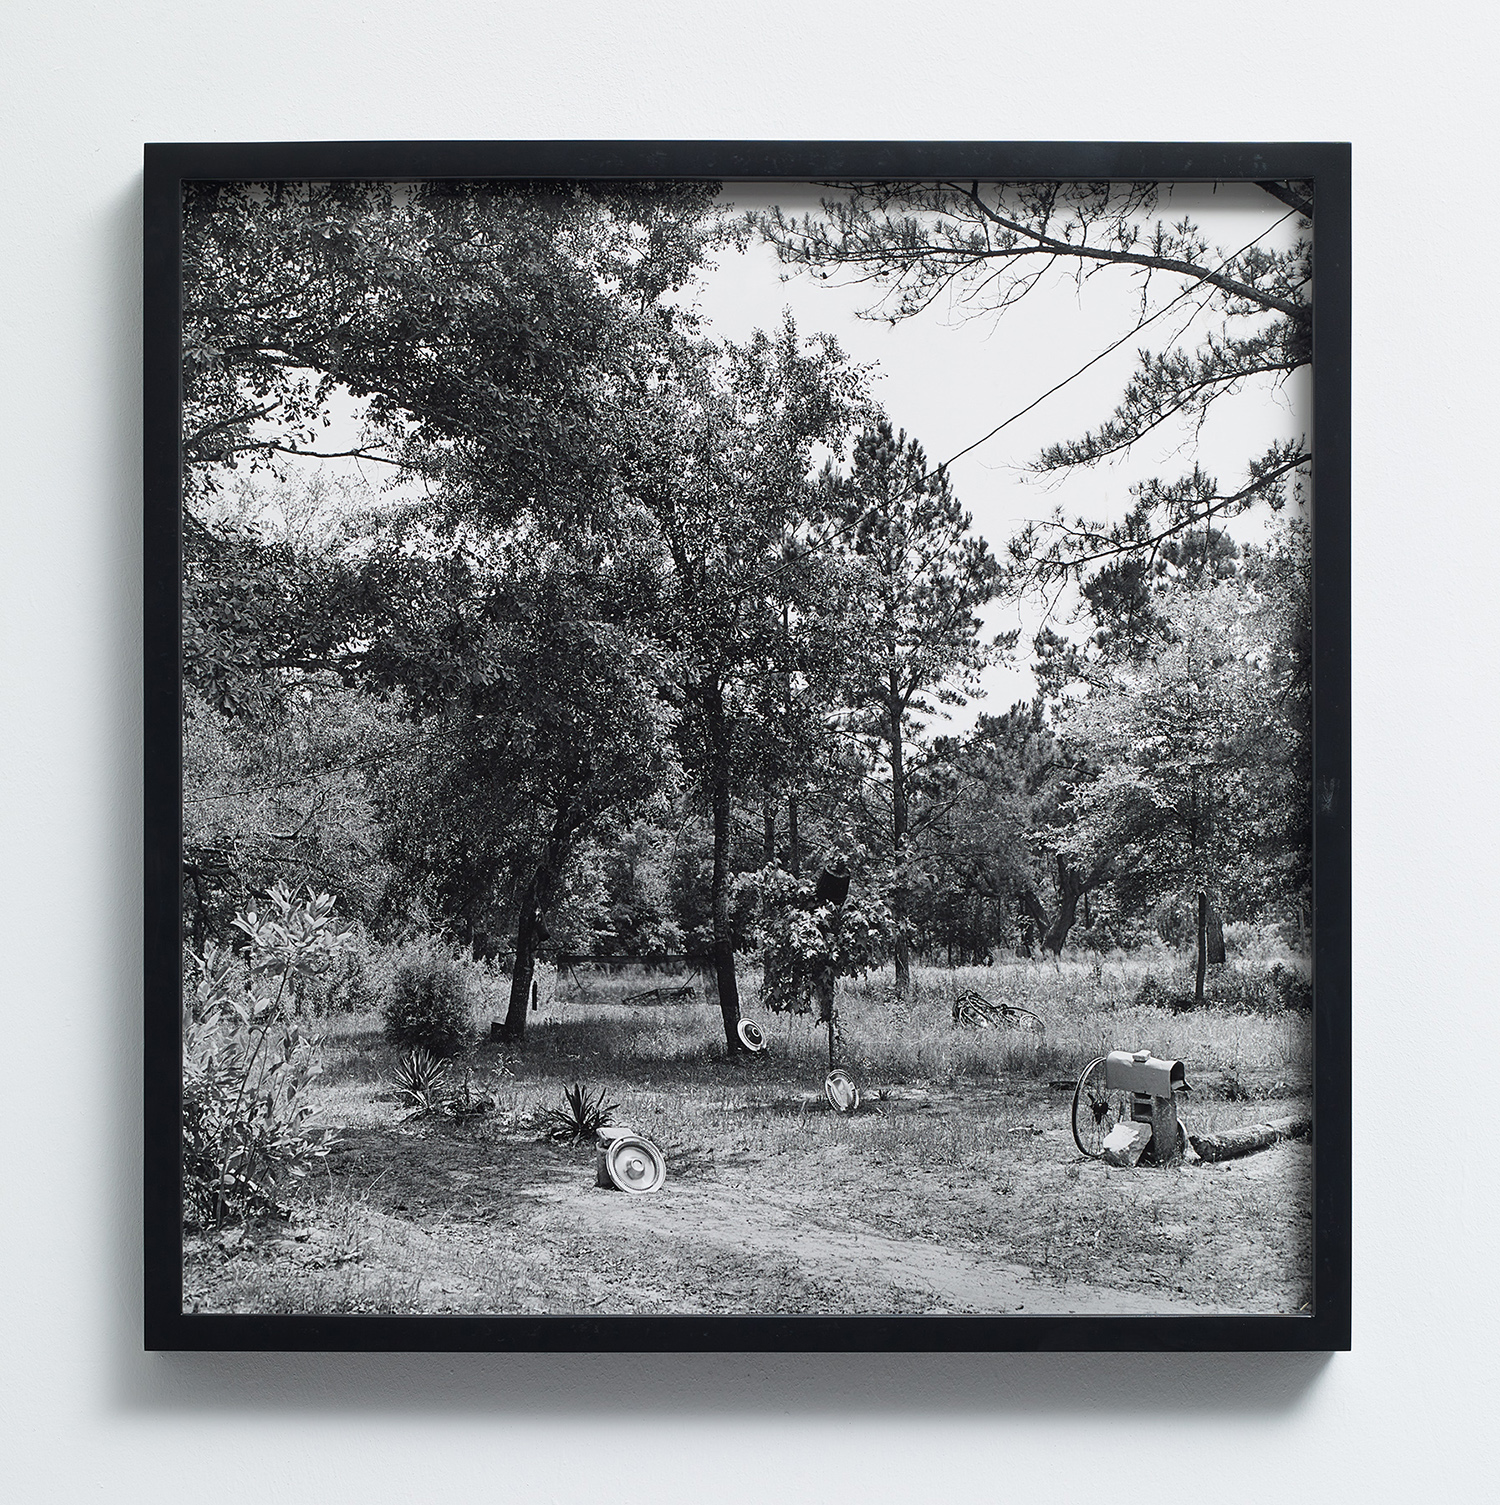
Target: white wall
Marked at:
84, 1414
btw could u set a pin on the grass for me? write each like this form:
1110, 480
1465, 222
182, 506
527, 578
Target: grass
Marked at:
959, 1165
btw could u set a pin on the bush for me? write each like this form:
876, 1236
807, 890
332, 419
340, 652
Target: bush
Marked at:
420, 1078
1232, 990
245, 1129
428, 1005
347, 988
1289, 988
1152, 995
802, 940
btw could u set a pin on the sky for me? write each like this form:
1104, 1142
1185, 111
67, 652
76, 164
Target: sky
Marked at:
947, 379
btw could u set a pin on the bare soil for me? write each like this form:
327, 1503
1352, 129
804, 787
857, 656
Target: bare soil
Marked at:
964, 1196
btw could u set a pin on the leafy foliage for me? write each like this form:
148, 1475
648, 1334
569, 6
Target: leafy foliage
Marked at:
1276, 990
427, 1007
987, 246
726, 447
614, 644
922, 577
802, 940
1200, 747
246, 1133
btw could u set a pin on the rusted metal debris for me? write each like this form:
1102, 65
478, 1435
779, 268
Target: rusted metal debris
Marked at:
972, 1010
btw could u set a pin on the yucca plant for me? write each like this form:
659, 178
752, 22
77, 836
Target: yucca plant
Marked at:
420, 1078
580, 1117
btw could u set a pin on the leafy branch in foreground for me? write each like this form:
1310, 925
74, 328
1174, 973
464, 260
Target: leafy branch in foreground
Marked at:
245, 1127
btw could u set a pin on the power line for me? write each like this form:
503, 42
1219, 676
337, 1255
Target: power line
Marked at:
1109, 349
842, 532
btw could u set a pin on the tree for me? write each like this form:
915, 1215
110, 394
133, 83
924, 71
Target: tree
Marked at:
722, 468
1001, 829
925, 576
485, 334
539, 727
480, 317
283, 799
1196, 747
985, 247
480, 331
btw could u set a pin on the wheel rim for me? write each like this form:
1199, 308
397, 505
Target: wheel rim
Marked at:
635, 1165
1096, 1109
841, 1092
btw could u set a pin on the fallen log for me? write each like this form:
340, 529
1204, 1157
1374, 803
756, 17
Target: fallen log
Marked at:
1233, 1143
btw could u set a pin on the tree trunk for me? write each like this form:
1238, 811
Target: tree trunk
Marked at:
899, 823
1202, 948
768, 812
1028, 925
198, 924
723, 812
1216, 954
1231, 1143
793, 840
1071, 887
524, 971
530, 929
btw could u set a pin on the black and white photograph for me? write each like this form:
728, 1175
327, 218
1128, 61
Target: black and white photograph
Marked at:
748, 752
747, 747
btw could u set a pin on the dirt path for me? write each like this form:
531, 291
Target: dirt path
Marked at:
943, 1279
423, 1217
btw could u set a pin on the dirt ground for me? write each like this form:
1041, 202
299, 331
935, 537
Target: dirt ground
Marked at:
955, 1197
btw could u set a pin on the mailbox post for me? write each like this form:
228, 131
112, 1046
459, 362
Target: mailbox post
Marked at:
1129, 1088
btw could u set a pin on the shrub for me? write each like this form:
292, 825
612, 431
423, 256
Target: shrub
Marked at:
420, 1078
1236, 991
802, 940
347, 988
1152, 995
428, 1005
580, 1117
245, 1129
1290, 989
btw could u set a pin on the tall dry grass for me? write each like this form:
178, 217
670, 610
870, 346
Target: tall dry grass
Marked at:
657, 1057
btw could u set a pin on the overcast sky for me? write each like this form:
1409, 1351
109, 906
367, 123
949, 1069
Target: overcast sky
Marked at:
948, 379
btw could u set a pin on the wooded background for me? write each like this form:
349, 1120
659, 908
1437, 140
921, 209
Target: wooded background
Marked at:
524, 609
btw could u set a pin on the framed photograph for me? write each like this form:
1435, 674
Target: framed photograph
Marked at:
747, 746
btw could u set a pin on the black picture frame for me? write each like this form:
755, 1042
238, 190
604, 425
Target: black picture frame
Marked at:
168, 166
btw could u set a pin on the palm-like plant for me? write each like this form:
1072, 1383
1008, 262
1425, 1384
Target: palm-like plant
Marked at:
420, 1078
580, 1117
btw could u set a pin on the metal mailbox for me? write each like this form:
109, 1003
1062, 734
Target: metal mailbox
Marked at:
1125, 1107
1139, 1071
1152, 1084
